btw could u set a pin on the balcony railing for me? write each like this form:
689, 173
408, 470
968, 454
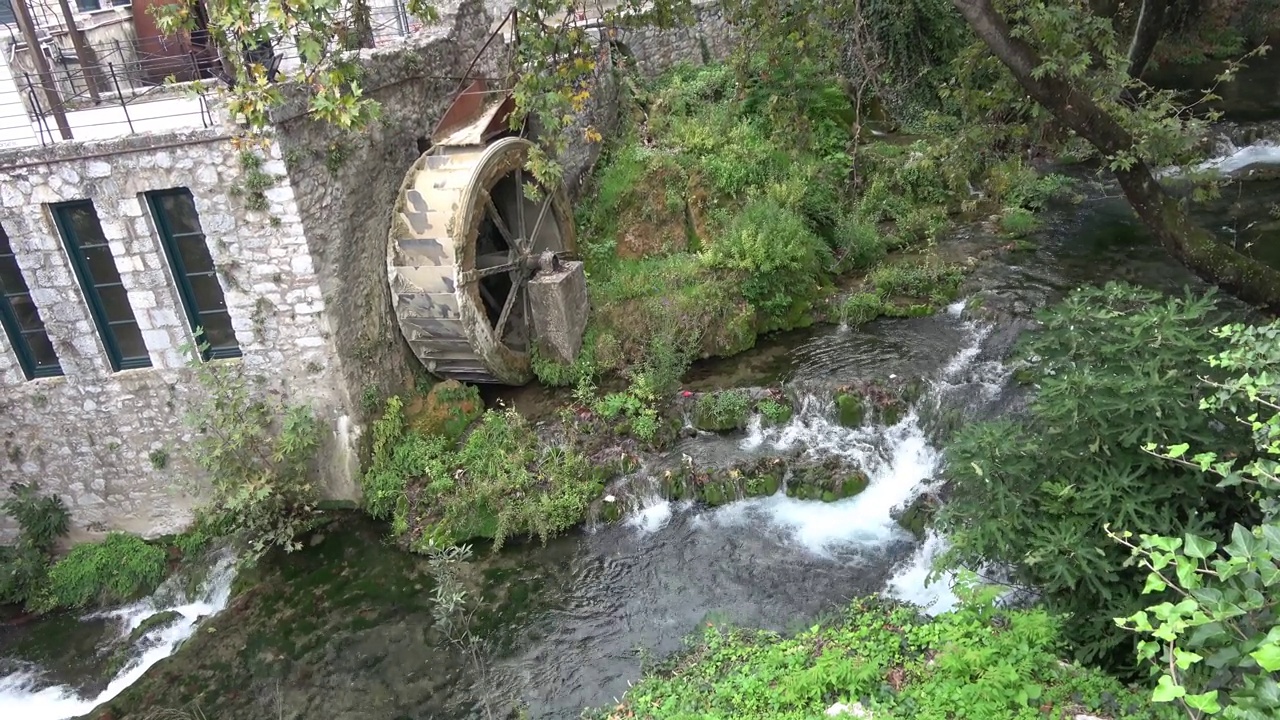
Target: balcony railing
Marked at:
128, 86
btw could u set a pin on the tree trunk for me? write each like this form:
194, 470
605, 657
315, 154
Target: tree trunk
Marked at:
1192, 245
1146, 34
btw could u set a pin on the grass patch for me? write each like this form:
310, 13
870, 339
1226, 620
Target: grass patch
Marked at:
120, 568
889, 660
500, 482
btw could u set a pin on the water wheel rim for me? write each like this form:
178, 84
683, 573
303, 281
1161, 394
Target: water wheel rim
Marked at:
508, 156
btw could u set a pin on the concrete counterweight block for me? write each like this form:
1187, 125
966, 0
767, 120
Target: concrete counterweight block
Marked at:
559, 307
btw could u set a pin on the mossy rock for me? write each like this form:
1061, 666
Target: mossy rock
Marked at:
159, 621
892, 413
850, 409
913, 389
917, 515
448, 409
610, 511
853, 484
717, 492
762, 486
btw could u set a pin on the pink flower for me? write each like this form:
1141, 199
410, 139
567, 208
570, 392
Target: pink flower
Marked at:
686, 393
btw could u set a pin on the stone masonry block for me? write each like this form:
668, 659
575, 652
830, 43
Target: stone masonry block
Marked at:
559, 305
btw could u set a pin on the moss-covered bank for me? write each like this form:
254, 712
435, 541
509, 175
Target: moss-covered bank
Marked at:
885, 661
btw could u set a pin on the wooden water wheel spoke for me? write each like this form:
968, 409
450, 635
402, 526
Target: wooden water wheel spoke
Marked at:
537, 225
491, 271
516, 288
524, 242
492, 210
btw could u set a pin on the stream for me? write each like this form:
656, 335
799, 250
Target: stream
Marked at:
344, 629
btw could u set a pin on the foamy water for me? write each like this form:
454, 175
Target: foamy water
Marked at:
23, 698
900, 463
1233, 159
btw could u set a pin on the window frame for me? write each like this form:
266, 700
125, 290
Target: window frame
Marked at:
89, 288
13, 329
181, 276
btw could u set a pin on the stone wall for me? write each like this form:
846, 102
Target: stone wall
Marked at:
90, 434
656, 50
346, 187
305, 280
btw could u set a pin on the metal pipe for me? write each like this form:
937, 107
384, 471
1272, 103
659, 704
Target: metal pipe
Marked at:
83, 55
23, 15
123, 105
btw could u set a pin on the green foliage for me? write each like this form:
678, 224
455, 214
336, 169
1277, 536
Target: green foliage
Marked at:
722, 410
1116, 368
779, 261
122, 567
861, 308
888, 661
257, 450
1216, 650
711, 222
501, 482
927, 278
42, 520
774, 412
1018, 222
858, 244
639, 404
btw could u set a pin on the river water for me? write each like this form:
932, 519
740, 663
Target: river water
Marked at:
344, 629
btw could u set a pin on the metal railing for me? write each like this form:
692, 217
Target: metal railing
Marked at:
121, 88
127, 86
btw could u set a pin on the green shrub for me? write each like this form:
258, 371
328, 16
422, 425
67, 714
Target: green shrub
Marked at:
722, 410
1223, 636
858, 244
927, 278
23, 569
398, 457
780, 262
42, 520
258, 452
1116, 368
888, 661
503, 481
774, 412
861, 308
122, 567
1018, 222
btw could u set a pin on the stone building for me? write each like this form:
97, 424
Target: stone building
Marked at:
116, 248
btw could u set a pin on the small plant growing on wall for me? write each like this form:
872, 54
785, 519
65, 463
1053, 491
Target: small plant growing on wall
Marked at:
258, 450
159, 458
253, 182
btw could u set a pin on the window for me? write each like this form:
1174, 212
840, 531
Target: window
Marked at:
100, 280
88, 5
6, 14
193, 271
21, 319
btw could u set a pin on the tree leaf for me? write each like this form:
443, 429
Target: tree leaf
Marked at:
1267, 657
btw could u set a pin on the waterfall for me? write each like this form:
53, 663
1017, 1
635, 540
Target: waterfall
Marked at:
901, 461
23, 696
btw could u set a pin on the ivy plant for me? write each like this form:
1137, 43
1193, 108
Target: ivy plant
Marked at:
1214, 645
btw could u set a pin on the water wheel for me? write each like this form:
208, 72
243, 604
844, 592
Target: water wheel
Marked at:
470, 229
